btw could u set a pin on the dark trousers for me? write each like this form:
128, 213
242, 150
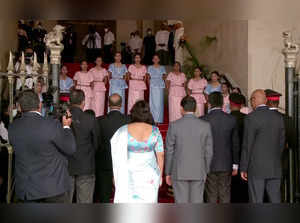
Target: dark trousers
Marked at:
62, 198
163, 56
239, 190
84, 187
257, 187
218, 187
104, 186
108, 54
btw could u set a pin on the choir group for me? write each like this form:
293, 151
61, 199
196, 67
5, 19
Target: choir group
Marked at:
136, 78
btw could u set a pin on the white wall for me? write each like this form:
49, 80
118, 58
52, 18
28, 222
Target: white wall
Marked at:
265, 60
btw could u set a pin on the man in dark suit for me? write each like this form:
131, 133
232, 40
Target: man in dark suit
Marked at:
41, 146
239, 187
263, 143
82, 163
107, 125
226, 151
189, 151
273, 98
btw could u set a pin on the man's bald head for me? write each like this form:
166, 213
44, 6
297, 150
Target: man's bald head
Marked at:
115, 101
258, 97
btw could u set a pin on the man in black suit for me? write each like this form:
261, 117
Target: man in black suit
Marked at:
263, 143
82, 163
41, 146
239, 188
107, 125
226, 151
273, 98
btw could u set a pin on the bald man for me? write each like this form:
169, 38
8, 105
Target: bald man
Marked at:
107, 125
263, 143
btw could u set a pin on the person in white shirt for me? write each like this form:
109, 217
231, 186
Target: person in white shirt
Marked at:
28, 70
109, 40
135, 43
179, 34
162, 39
92, 42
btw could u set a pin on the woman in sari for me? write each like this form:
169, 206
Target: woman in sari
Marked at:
117, 74
84, 81
156, 76
137, 85
175, 83
100, 75
138, 158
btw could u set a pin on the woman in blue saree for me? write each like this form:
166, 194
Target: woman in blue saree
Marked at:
156, 76
117, 74
138, 158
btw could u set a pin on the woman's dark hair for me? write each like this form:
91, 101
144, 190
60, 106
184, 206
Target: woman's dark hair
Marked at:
238, 90
140, 112
118, 52
215, 72
155, 55
201, 71
98, 57
138, 54
179, 64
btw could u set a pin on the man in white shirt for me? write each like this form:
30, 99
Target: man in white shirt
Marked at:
162, 39
92, 42
109, 40
135, 43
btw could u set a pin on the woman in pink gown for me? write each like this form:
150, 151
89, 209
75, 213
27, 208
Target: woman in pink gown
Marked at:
196, 88
84, 80
100, 76
175, 83
137, 85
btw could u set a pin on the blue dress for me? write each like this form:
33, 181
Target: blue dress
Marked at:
210, 89
117, 84
157, 86
143, 171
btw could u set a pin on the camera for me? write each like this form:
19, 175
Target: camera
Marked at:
52, 110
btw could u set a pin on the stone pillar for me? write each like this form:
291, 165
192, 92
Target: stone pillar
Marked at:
53, 42
290, 53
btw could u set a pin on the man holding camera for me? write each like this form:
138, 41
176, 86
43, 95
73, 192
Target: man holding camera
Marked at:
41, 146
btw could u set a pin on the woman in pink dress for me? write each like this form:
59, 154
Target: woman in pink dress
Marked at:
175, 83
137, 85
226, 101
196, 88
100, 76
84, 80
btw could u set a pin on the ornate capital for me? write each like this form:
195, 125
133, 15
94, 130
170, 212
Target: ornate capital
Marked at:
55, 54
290, 51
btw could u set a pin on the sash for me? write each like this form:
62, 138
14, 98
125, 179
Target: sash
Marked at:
119, 153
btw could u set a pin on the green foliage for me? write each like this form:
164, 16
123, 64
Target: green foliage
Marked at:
192, 61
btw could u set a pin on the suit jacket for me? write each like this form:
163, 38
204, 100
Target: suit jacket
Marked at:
108, 125
85, 131
263, 143
40, 146
189, 149
226, 140
240, 117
